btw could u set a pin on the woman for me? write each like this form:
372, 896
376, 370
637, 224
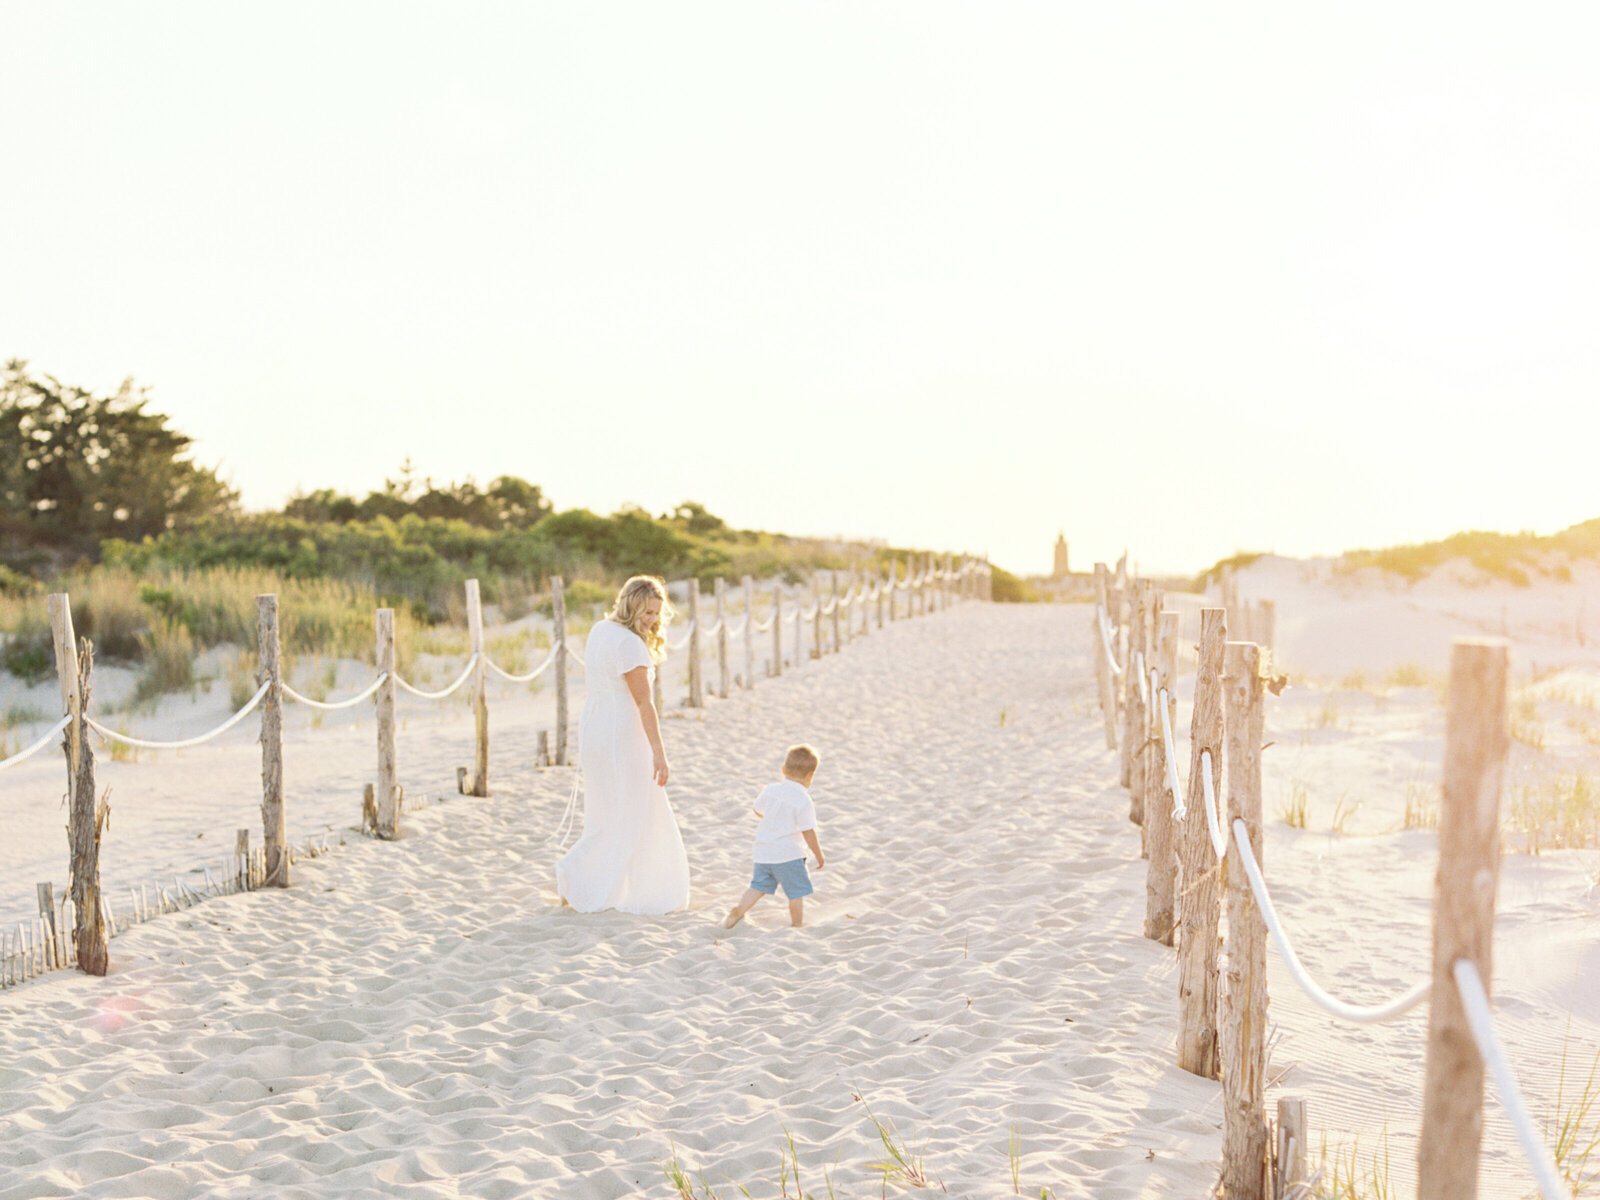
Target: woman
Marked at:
630, 856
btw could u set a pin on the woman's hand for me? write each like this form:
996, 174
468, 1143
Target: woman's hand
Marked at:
658, 768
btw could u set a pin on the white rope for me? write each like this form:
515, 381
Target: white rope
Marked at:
1105, 636
681, 644
1476, 1004
811, 613
194, 741
1219, 840
530, 676
765, 626
1362, 1014
736, 630
326, 706
466, 673
712, 630
830, 606
1179, 808
37, 746
575, 656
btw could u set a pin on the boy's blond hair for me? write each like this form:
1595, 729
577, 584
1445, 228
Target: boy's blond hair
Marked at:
800, 762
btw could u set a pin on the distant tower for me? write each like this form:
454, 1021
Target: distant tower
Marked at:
1062, 570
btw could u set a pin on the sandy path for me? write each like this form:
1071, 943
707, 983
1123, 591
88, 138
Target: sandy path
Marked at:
419, 1019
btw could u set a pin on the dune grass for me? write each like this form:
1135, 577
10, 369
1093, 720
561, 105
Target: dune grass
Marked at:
1347, 1173
1295, 808
1572, 1128
1558, 812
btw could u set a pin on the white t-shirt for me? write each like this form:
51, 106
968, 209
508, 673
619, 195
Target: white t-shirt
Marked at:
786, 812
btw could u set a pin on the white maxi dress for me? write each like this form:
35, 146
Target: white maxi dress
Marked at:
631, 855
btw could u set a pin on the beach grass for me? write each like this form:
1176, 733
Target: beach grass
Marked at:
1559, 812
1347, 1173
1294, 810
1572, 1128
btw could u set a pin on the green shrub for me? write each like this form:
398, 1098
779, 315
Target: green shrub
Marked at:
1011, 590
169, 652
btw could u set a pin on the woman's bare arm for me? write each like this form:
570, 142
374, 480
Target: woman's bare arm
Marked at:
638, 681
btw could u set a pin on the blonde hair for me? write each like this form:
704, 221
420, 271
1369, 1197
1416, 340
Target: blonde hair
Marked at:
628, 611
801, 761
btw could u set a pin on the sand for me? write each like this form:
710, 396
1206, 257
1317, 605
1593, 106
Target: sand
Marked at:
421, 1018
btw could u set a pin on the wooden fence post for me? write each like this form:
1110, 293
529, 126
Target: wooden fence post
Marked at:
877, 579
274, 833
480, 694
1161, 879
1108, 685
1290, 1159
722, 637
558, 641
696, 693
893, 588
1198, 907
777, 628
1136, 723
1244, 999
86, 815
837, 610
387, 799
1476, 742
749, 633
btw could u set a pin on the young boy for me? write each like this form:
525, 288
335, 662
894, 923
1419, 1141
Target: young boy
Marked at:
788, 825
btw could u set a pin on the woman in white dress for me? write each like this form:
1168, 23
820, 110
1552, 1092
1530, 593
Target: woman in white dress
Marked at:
630, 856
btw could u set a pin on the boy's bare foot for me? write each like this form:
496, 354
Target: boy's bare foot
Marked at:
733, 918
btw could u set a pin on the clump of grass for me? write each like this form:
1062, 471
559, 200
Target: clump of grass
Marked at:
121, 752
241, 677
1343, 811
1328, 715
1526, 727
1422, 806
1587, 730
1558, 813
1355, 681
1573, 1128
169, 652
1343, 1175
900, 1164
1014, 1154
1408, 674
1294, 809
1005, 715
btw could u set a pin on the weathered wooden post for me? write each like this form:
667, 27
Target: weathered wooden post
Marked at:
722, 637
838, 607
480, 693
816, 623
893, 588
387, 800
877, 579
1136, 722
777, 628
1290, 1159
1244, 999
696, 687
49, 936
558, 641
274, 832
799, 631
1476, 743
1198, 906
1107, 680
1161, 879
749, 677
86, 815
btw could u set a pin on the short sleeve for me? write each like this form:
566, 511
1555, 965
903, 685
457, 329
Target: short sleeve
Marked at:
805, 816
631, 653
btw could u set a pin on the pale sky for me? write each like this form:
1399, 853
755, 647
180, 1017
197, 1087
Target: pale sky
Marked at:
1181, 278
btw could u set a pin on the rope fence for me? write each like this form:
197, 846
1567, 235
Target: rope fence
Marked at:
1196, 872
75, 928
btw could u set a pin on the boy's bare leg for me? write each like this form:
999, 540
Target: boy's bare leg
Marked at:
746, 903
797, 913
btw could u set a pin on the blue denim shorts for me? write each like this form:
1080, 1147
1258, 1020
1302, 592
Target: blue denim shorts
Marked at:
791, 875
